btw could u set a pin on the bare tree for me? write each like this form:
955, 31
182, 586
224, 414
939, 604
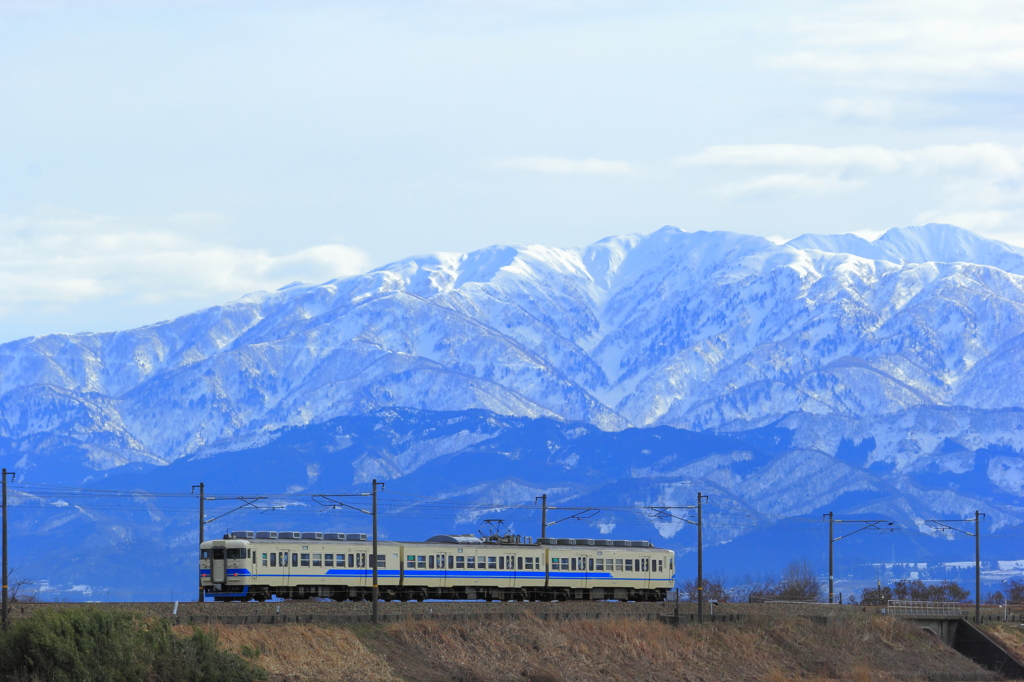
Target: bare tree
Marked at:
714, 590
798, 583
18, 589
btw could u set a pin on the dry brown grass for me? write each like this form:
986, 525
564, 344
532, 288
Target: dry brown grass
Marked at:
532, 650
626, 650
304, 652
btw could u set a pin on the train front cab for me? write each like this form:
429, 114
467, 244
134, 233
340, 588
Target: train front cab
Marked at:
227, 568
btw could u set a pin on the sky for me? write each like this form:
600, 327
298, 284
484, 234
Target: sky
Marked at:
160, 157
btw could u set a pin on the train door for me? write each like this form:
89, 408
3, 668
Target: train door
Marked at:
581, 570
284, 564
645, 568
438, 562
510, 569
217, 569
362, 568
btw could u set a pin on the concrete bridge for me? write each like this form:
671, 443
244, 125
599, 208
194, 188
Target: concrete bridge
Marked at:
948, 622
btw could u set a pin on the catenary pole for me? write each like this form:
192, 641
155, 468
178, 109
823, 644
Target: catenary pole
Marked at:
376, 591
831, 573
202, 526
544, 515
977, 566
700, 560
4, 568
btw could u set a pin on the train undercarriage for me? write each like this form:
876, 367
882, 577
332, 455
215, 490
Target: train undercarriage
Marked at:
413, 593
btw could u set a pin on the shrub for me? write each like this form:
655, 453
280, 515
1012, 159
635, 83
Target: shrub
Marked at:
89, 644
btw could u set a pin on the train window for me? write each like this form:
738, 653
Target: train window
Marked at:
451, 561
618, 564
460, 562
661, 565
591, 564
573, 563
305, 560
492, 563
351, 560
670, 564
218, 554
340, 561
273, 559
410, 561
254, 558
501, 563
555, 565
565, 564
264, 558
328, 560
520, 563
382, 560
471, 563
629, 564
316, 559
430, 563
204, 554
421, 561
600, 564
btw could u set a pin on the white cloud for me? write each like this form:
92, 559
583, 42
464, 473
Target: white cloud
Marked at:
863, 108
979, 185
911, 43
557, 166
69, 258
797, 156
984, 159
788, 182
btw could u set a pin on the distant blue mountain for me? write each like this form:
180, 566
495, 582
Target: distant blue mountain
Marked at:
764, 509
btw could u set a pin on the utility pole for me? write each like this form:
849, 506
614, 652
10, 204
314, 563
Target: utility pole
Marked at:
543, 514
831, 574
202, 526
868, 524
977, 566
580, 514
376, 591
663, 513
331, 501
4, 502
943, 525
700, 559
247, 501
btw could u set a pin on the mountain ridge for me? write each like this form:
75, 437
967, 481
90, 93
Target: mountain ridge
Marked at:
693, 329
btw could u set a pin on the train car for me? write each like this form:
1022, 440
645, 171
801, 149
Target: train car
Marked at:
259, 565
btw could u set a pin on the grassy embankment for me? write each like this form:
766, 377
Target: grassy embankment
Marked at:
92, 645
859, 649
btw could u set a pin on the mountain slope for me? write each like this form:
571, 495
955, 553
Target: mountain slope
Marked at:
698, 330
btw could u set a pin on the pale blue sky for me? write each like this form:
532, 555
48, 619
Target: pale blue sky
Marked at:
156, 157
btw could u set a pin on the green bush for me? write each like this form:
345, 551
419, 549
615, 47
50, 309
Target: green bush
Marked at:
89, 644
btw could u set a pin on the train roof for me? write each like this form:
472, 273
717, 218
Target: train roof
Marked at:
466, 540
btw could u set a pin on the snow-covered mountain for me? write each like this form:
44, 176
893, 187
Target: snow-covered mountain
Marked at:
691, 329
830, 373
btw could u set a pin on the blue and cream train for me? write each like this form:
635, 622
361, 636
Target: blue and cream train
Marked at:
246, 565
